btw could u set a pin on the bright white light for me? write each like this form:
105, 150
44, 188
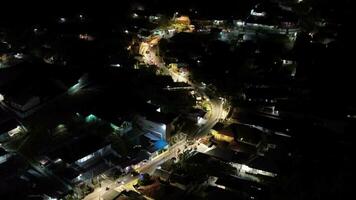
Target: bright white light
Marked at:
1, 97
126, 31
18, 55
85, 158
239, 23
134, 15
201, 120
163, 127
75, 88
218, 22
351, 116
79, 177
245, 168
158, 110
221, 186
115, 65
62, 20
14, 131
261, 14
300, 1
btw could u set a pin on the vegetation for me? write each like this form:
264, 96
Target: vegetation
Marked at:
144, 179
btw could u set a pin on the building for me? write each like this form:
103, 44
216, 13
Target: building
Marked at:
121, 125
156, 125
4, 155
237, 133
196, 115
245, 188
28, 86
85, 155
8, 126
246, 134
262, 165
10, 181
124, 195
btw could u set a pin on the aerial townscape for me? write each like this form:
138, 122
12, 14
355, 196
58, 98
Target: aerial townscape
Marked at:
176, 100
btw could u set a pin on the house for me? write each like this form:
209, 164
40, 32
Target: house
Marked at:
244, 187
28, 95
124, 195
246, 134
262, 165
223, 135
10, 181
7, 170
156, 125
28, 86
237, 133
4, 155
85, 155
229, 155
196, 115
121, 125
270, 15
8, 126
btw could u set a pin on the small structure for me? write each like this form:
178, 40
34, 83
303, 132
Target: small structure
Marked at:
28, 86
84, 155
156, 125
223, 135
4, 155
8, 126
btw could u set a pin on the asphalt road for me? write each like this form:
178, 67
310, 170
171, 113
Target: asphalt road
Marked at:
150, 57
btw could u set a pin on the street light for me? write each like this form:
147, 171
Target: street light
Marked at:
62, 19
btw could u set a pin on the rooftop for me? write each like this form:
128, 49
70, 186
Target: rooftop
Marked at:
264, 163
8, 125
149, 111
77, 148
228, 155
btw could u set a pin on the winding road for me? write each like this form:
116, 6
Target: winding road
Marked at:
149, 51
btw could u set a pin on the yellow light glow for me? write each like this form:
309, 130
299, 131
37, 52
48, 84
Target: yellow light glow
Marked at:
221, 137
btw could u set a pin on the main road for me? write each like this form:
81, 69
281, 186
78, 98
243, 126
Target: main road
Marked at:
149, 51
